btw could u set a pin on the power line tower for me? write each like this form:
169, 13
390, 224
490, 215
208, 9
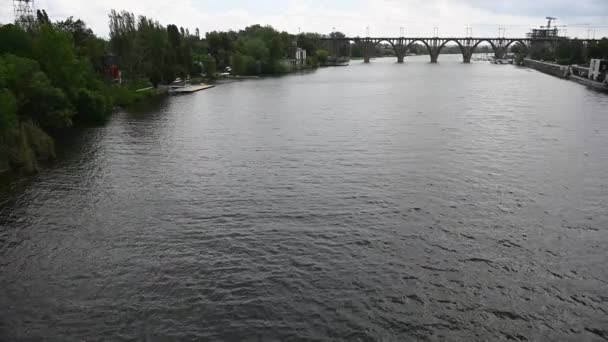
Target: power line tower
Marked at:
23, 8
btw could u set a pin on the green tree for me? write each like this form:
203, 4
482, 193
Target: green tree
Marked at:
91, 106
54, 49
322, 56
37, 99
570, 52
256, 48
221, 45
309, 42
8, 110
87, 46
209, 65
123, 33
356, 51
276, 48
599, 50
158, 60
14, 40
42, 17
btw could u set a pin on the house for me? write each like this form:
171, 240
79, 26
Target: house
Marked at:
296, 56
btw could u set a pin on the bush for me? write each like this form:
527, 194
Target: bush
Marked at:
8, 109
121, 96
209, 66
41, 143
322, 56
246, 65
280, 67
92, 106
312, 62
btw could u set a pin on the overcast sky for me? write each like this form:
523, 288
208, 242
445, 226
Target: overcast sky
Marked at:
383, 17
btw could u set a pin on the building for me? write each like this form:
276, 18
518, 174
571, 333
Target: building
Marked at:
296, 56
541, 46
545, 32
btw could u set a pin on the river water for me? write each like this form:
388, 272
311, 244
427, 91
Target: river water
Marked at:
377, 202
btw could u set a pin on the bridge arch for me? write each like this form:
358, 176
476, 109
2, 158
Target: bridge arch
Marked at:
498, 47
451, 40
481, 41
384, 40
516, 41
462, 49
399, 46
428, 47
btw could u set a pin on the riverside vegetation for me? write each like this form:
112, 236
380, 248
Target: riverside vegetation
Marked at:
52, 73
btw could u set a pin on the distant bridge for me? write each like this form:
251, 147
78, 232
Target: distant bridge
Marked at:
434, 45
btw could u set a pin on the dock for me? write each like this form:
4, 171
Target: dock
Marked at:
189, 89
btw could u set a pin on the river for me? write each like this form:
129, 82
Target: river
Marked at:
378, 202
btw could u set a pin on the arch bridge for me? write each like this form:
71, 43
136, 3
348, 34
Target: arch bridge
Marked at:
435, 45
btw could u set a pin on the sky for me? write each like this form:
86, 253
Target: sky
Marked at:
353, 17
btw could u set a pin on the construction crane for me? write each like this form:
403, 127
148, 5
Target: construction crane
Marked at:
549, 20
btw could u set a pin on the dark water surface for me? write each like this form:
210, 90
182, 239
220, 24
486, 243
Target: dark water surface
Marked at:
377, 202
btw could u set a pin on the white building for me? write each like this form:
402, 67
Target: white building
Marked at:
297, 56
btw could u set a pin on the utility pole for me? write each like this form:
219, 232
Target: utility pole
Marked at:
402, 32
502, 32
367, 31
23, 9
435, 31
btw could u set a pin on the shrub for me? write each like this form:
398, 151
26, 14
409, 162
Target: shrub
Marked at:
91, 106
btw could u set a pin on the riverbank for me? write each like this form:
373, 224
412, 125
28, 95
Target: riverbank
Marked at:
556, 70
26, 148
563, 72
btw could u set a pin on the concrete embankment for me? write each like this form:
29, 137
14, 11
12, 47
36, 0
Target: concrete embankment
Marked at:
561, 71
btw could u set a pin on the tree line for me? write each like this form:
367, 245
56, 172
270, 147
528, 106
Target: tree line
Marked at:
48, 81
54, 75
567, 52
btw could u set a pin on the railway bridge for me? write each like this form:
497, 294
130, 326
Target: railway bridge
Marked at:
434, 45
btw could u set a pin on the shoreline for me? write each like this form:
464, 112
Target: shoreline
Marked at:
563, 72
132, 100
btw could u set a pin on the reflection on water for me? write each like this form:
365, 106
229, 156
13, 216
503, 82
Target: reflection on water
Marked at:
373, 202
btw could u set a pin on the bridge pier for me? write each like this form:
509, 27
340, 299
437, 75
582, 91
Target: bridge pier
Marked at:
434, 49
434, 57
400, 48
466, 56
368, 47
